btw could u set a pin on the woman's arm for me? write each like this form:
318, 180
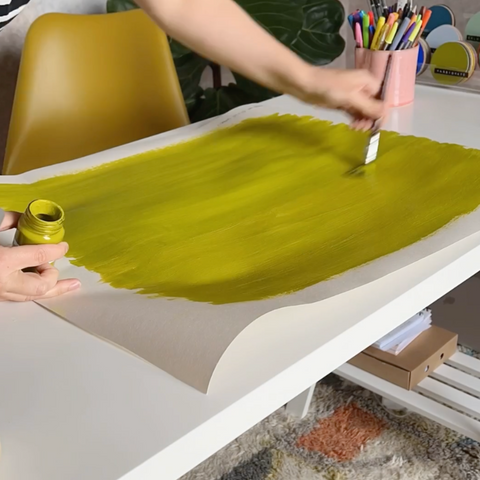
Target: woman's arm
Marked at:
222, 32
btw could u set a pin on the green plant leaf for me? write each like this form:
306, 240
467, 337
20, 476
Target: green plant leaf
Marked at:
315, 37
319, 40
178, 50
120, 5
282, 18
217, 101
256, 91
309, 27
193, 102
189, 70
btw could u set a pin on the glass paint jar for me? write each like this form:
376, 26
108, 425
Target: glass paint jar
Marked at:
42, 223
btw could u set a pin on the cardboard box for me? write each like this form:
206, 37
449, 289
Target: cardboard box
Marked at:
426, 353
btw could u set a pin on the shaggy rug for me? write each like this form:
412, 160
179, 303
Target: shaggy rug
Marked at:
347, 435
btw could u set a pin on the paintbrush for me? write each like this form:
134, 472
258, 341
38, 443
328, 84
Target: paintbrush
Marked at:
371, 150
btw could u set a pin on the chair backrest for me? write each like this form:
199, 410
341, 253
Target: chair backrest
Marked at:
88, 83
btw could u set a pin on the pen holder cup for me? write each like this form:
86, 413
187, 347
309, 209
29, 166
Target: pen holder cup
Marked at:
401, 85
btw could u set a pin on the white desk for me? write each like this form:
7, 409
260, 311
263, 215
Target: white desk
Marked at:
73, 407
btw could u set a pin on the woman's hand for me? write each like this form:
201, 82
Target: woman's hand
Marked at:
352, 91
19, 286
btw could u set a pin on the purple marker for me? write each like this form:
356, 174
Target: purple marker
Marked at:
405, 37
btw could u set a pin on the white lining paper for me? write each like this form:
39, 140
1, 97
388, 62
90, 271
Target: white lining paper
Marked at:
187, 339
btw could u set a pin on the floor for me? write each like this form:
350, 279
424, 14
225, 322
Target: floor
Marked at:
347, 435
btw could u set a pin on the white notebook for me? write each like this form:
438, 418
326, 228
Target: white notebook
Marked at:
406, 330
400, 346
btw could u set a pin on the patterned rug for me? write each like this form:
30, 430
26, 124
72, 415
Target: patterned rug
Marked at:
347, 435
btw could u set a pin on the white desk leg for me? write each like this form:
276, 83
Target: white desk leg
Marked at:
391, 405
299, 405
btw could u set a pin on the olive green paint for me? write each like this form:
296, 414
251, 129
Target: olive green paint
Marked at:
260, 209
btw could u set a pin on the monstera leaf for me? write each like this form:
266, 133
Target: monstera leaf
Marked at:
120, 5
308, 27
215, 101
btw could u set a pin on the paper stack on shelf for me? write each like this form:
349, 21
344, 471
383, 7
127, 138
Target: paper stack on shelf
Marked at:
398, 339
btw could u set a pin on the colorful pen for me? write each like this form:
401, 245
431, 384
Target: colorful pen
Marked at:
390, 36
350, 20
400, 33
365, 25
406, 37
412, 38
378, 31
397, 27
371, 33
371, 18
425, 19
391, 20
412, 20
378, 8
358, 35
382, 37
373, 11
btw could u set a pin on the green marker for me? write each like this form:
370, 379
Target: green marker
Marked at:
365, 32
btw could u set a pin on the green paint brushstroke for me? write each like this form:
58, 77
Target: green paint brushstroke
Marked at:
257, 210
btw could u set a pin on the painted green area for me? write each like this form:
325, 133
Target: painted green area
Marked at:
260, 209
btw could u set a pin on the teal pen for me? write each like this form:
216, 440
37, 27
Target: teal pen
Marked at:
365, 31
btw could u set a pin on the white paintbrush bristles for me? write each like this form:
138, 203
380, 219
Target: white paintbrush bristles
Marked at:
371, 150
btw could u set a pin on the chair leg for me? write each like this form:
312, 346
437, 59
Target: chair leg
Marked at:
299, 405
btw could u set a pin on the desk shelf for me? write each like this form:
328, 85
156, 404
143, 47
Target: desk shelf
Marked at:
449, 396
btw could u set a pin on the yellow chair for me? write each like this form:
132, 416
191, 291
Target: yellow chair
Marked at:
88, 83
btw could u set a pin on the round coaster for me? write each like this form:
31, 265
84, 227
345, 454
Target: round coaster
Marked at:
473, 55
424, 56
472, 31
441, 15
443, 34
452, 63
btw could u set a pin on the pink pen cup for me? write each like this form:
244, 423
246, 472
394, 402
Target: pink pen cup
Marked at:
401, 86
